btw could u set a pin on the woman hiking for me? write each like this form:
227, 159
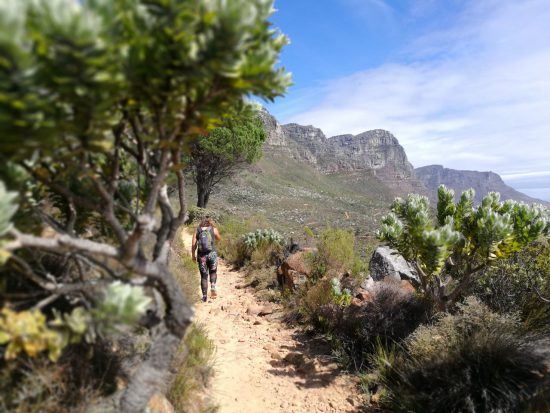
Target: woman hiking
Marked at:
203, 250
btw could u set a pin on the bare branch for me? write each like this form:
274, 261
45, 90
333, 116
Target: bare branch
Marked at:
157, 182
109, 210
61, 244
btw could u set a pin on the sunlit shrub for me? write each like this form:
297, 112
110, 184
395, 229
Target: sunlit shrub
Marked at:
194, 366
335, 250
449, 254
520, 284
231, 246
196, 214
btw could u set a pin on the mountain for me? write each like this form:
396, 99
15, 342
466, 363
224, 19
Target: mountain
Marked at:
376, 153
349, 181
483, 182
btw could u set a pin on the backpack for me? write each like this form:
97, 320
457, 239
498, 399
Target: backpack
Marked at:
205, 240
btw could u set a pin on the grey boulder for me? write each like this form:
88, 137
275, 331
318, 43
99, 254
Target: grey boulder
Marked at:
387, 262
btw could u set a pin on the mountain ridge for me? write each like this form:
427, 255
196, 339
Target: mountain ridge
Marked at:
378, 152
481, 181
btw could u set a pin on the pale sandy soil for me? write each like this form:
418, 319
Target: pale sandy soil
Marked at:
262, 365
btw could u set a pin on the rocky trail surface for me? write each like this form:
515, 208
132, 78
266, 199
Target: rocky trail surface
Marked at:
261, 364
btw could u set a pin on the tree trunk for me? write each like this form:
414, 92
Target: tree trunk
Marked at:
203, 193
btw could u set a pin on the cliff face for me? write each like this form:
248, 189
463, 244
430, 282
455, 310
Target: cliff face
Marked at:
483, 182
376, 152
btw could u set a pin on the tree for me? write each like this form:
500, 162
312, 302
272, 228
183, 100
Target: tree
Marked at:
224, 151
98, 100
450, 253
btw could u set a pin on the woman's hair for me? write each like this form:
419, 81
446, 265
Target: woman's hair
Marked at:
207, 222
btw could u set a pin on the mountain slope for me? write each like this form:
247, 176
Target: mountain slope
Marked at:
483, 182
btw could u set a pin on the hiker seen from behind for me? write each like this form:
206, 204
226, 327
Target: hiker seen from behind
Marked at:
203, 251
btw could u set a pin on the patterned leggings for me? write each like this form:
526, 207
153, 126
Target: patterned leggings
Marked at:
208, 265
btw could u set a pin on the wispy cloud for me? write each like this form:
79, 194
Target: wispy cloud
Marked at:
473, 96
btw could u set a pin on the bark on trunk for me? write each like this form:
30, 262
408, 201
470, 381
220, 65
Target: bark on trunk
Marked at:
203, 195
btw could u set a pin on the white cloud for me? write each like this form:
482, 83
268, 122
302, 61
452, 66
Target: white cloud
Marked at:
473, 96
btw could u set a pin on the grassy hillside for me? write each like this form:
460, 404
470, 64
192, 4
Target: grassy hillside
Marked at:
292, 195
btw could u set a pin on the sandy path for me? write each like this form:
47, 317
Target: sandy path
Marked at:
263, 366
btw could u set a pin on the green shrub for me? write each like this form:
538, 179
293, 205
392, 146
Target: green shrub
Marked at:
232, 230
196, 214
262, 247
335, 250
194, 366
520, 285
472, 361
313, 300
254, 240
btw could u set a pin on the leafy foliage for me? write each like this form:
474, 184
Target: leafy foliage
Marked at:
98, 102
261, 237
519, 284
27, 332
464, 240
340, 296
30, 332
225, 150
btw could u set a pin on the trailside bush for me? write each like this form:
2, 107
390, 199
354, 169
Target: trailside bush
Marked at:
520, 285
472, 361
196, 214
391, 315
231, 246
194, 366
335, 250
450, 253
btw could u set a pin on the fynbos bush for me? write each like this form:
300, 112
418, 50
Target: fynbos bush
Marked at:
451, 253
474, 361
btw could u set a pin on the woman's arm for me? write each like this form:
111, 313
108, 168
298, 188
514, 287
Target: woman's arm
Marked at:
217, 234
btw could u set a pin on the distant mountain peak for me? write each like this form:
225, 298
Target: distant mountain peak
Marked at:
459, 180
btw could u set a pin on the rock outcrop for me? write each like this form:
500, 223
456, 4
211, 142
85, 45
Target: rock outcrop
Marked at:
388, 263
376, 152
482, 182
295, 270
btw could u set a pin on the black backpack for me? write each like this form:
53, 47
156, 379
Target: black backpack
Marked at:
205, 240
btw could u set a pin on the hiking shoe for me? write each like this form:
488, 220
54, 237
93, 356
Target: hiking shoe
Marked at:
204, 298
213, 294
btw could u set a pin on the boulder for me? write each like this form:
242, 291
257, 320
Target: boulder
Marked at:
387, 262
295, 269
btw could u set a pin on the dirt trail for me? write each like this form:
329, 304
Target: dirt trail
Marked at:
261, 365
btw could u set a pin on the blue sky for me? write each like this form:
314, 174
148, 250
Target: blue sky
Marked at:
463, 83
